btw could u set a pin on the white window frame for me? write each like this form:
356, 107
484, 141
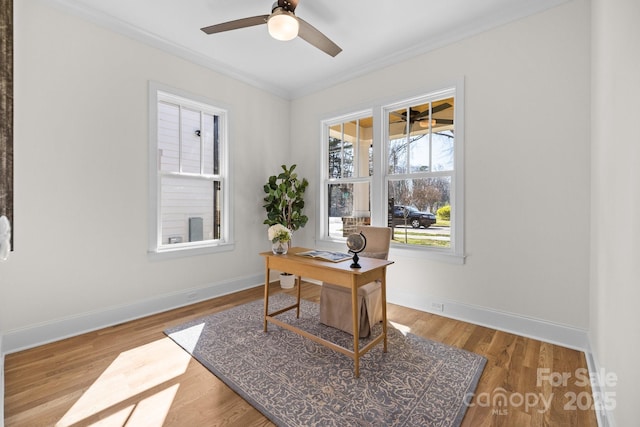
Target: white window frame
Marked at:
379, 181
162, 93
326, 180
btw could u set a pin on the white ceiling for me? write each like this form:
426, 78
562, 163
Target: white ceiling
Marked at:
372, 34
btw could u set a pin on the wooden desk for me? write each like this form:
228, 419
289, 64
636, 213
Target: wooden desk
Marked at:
339, 273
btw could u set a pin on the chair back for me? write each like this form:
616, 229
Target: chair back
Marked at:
378, 241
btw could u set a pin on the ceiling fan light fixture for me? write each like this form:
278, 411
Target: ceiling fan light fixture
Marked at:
283, 25
424, 124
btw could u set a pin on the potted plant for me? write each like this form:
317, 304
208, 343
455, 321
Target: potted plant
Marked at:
284, 202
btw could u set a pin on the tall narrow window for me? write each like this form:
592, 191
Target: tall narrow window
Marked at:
348, 175
420, 141
189, 174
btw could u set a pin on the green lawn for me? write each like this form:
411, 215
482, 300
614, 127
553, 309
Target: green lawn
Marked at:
414, 237
423, 242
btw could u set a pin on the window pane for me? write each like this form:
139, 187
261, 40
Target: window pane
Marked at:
335, 151
350, 149
419, 138
168, 137
347, 157
210, 144
362, 144
190, 150
189, 209
443, 135
443, 150
419, 153
349, 205
365, 147
414, 204
398, 158
443, 114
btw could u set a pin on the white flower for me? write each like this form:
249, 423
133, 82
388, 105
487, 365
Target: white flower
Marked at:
279, 233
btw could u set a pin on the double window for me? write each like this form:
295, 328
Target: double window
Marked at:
398, 165
188, 151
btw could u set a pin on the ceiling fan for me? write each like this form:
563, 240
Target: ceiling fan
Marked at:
423, 117
283, 24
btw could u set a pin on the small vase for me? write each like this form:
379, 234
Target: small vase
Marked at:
280, 248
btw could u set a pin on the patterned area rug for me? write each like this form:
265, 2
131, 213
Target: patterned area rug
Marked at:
296, 382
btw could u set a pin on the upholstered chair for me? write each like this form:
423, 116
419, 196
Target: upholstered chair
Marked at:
335, 301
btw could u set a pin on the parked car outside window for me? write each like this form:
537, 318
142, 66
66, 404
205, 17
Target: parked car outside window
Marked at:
409, 215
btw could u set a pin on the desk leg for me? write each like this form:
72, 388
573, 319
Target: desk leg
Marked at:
266, 294
356, 329
383, 288
298, 281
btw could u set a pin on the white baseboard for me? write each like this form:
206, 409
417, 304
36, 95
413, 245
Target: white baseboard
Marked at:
32, 336
86, 322
563, 335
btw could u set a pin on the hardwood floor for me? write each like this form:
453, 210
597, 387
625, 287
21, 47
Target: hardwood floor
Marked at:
131, 373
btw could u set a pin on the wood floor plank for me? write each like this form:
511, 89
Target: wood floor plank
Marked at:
51, 384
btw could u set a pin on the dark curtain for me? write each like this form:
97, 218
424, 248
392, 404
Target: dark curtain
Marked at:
6, 109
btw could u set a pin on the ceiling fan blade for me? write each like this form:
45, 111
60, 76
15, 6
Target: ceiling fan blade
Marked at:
444, 121
314, 37
234, 25
434, 110
440, 107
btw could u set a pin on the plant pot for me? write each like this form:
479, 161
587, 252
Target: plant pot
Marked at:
287, 281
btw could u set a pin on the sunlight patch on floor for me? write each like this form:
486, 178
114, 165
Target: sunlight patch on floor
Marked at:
402, 328
153, 410
132, 373
116, 419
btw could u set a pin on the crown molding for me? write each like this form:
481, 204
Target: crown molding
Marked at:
118, 26
456, 34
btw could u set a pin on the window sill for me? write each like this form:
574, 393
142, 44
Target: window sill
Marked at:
428, 253
401, 250
182, 252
